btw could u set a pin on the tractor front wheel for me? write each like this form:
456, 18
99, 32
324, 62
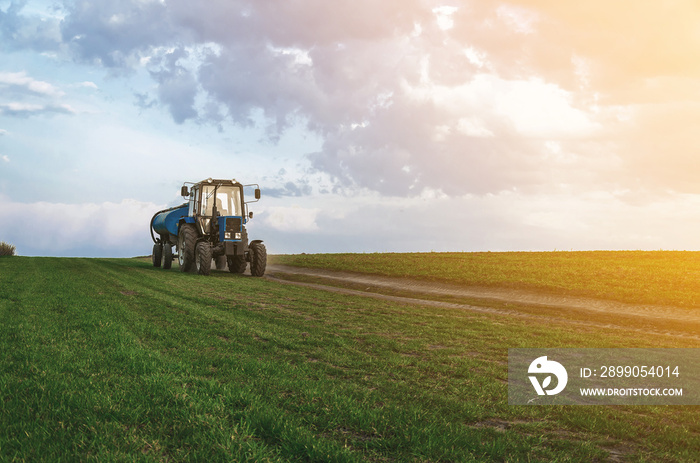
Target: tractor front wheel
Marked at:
202, 257
258, 259
186, 242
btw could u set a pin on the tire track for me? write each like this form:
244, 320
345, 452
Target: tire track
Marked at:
645, 314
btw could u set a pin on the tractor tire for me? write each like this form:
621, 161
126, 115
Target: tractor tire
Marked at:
157, 254
202, 258
167, 256
258, 259
237, 264
220, 262
186, 242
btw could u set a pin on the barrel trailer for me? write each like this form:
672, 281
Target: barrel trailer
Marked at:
210, 226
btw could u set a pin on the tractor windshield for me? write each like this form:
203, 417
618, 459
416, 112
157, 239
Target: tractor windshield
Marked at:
227, 200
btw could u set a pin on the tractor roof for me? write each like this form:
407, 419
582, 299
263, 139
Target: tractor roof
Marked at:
215, 181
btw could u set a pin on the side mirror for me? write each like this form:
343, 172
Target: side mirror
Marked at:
184, 192
257, 193
250, 215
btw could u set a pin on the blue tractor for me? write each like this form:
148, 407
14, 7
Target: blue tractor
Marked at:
210, 226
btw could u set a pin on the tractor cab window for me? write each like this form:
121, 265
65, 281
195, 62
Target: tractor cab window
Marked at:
194, 199
226, 198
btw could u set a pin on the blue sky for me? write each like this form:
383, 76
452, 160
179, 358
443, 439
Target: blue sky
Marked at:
370, 126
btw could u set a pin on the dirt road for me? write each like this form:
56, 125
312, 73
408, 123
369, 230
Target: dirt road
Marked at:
676, 321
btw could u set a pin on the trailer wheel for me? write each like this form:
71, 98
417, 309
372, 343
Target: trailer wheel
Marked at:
167, 256
186, 242
258, 259
157, 254
202, 258
237, 264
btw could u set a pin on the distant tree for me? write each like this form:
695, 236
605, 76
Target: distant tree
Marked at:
6, 249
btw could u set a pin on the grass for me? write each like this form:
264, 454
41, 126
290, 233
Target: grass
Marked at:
640, 277
113, 360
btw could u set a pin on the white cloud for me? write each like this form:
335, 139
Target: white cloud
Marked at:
88, 84
300, 56
562, 219
520, 20
28, 109
5, 158
444, 16
542, 109
384, 90
20, 107
89, 229
475, 57
473, 127
21, 80
290, 219
536, 108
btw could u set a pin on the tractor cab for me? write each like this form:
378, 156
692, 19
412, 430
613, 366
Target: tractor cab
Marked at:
212, 202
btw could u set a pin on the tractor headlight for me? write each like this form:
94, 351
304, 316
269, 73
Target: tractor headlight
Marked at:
227, 235
230, 235
238, 236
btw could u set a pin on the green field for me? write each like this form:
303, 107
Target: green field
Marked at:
113, 360
644, 277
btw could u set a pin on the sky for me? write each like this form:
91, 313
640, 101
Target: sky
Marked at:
370, 125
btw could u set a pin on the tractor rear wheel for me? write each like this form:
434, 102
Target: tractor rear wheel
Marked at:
237, 264
202, 258
157, 254
167, 256
258, 259
186, 242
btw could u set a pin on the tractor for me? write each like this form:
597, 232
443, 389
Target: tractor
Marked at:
210, 226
